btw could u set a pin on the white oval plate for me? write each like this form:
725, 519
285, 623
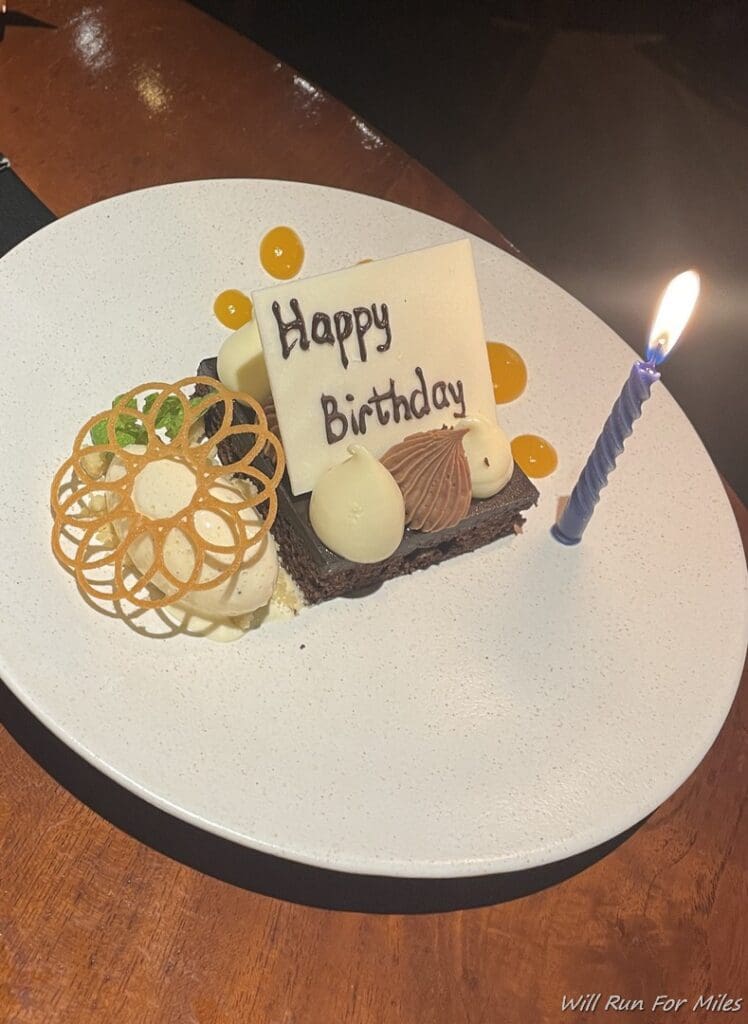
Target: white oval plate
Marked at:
511, 707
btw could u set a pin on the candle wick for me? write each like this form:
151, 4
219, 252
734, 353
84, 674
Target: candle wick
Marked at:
657, 350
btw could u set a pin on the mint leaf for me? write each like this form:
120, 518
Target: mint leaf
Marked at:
132, 404
169, 417
99, 432
128, 429
171, 414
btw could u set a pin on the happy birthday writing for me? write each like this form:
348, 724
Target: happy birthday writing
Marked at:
386, 404
392, 405
333, 330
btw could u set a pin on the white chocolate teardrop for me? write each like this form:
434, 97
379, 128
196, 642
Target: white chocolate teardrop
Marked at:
489, 456
357, 509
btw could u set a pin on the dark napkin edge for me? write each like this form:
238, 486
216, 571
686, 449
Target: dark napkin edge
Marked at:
22, 213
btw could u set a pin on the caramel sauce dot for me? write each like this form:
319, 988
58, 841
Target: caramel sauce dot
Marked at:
281, 253
508, 372
233, 308
533, 454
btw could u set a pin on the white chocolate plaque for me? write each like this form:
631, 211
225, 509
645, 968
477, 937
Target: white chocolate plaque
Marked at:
373, 353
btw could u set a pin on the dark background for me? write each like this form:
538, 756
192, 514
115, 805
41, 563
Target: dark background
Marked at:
607, 139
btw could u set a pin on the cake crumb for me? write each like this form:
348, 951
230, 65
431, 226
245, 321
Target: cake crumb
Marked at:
95, 464
106, 536
286, 602
287, 596
486, 461
302, 646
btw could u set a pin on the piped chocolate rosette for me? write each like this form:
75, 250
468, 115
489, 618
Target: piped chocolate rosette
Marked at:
145, 513
432, 471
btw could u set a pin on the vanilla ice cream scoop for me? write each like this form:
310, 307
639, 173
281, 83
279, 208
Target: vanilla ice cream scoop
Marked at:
161, 490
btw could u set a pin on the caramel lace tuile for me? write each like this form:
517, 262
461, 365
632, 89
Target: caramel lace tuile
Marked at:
432, 471
83, 505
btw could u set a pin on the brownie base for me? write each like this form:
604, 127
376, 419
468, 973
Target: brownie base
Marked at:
320, 574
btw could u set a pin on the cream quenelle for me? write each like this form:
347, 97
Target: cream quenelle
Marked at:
489, 455
357, 508
162, 489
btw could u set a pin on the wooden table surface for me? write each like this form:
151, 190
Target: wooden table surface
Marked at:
110, 910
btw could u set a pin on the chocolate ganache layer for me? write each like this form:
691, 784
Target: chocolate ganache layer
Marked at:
320, 573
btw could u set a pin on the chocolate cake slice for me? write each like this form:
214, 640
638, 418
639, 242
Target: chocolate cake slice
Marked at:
320, 574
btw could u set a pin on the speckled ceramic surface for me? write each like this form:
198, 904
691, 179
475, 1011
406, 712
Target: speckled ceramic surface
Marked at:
508, 708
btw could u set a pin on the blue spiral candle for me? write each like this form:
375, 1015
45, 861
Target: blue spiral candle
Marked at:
602, 461
675, 308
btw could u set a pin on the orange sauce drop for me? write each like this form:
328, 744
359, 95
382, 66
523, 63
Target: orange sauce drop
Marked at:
536, 456
233, 308
281, 253
508, 372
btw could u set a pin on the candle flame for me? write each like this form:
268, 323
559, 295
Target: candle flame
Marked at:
673, 313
